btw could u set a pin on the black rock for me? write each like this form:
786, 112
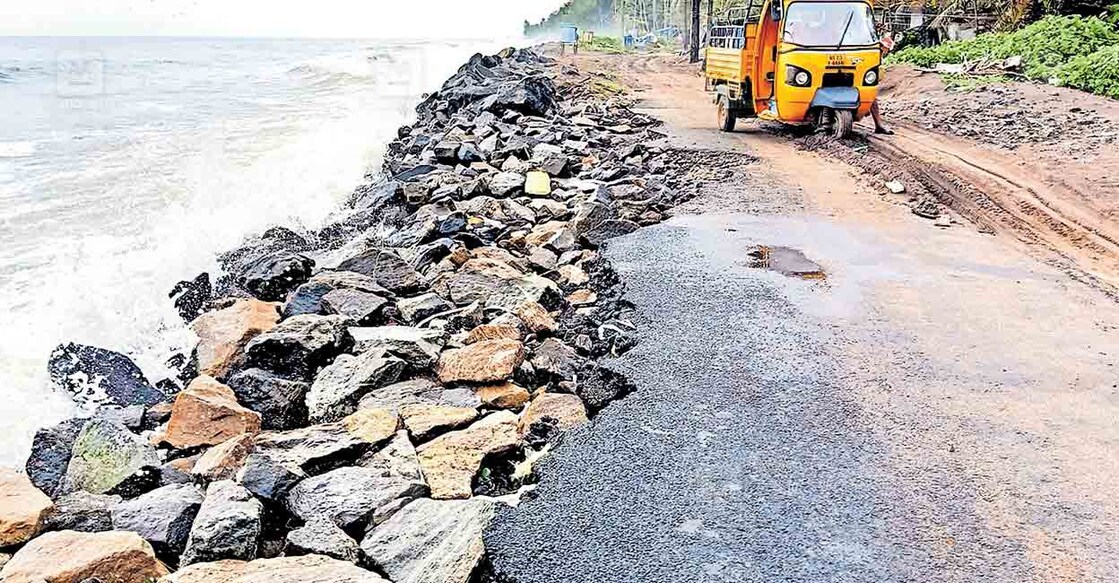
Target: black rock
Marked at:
387, 268
228, 526
191, 296
50, 454
320, 536
307, 299
415, 173
272, 277
300, 345
598, 386
95, 376
163, 517
83, 512
279, 401
362, 307
269, 478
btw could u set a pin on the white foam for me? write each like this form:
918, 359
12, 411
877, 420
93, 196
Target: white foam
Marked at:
17, 149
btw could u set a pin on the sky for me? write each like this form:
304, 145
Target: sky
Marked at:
272, 18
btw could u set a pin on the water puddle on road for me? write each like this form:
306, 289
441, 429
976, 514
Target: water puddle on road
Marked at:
786, 261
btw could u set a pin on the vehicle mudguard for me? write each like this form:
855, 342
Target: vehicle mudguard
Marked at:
836, 98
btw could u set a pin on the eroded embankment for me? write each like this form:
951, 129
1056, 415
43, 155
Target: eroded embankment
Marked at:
363, 396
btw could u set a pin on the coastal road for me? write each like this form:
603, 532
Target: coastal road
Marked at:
941, 407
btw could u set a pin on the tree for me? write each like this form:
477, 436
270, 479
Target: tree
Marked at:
694, 53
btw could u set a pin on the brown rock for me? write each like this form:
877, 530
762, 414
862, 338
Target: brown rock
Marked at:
207, 413
482, 362
372, 425
22, 508
224, 460
424, 420
450, 461
223, 334
568, 411
72, 557
493, 332
535, 317
304, 569
503, 396
582, 297
573, 275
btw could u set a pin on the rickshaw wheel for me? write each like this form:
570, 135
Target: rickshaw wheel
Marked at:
844, 122
727, 117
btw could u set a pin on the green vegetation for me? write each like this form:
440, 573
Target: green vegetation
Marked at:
607, 44
1077, 52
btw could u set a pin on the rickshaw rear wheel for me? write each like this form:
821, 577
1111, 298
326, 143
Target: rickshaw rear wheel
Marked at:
726, 116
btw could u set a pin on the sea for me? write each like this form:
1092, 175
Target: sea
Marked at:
127, 164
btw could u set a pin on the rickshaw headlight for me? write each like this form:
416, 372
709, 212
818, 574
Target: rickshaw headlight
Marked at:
802, 78
871, 77
797, 77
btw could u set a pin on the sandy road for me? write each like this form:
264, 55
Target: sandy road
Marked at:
941, 408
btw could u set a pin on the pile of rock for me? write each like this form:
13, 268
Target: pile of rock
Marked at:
362, 396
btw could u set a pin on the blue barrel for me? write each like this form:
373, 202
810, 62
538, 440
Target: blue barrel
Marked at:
627, 41
569, 34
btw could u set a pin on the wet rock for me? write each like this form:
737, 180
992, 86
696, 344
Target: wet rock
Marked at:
450, 461
493, 332
300, 345
163, 516
224, 460
503, 395
73, 557
223, 334
506, 183
599, 386
351, 497
280, 402
305, 569
418, 347
416, 310
481, 362
425, 420
306, 299
95, 376
50, 454
191, 296
320, 536
273, 276
23, 508
387, 268
207, 413
107, 458
83, 512
228, 526
397, 459
431, 541
556, 358
340, 386
567, 411
361, 307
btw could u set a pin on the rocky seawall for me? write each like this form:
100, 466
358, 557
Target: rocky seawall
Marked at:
363, 397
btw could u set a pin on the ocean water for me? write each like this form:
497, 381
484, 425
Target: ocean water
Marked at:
127, 164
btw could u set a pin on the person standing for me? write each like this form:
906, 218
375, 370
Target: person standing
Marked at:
887, 44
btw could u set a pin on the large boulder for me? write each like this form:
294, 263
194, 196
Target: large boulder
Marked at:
557, 359
50, 454
95, 376
224, 460
340, 386
272, 276
418, 347
451, 461
75, 557
418, 392
494, 284
308, 298
300, 345
431, 541
23, 508
387, 268
320, 536
305, 569
416, 310
163, 516
223, 334
228, 526
107, 458
426, 420
207, 413
361, 307
281, 402
82, 511
482, 362
397, 459
352, 497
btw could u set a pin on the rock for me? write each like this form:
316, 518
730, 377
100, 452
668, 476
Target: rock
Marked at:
469, 153
108, 458
207, 413
50, 454
543, 259
268, 477
598, 235
224, 460
83, 512
503, 395
416, 310
360, 306
191, 296
494, 284
535, 317
387, 268
23, 508
338, 388
573, 275
280, 402
178, 471
397, 459
305, 569
76, 557
306, 299
493, 332
228, 526
582, 297
271, 277
416, 391
320, 536
372, 426
506, 183
131, 417
163, 516
895, 186
450, 461
557, 359
223, 334
431, 541
424, 420
418, 347
599, 386
300, 345
481, 362
95, 376
538, 183
555, 235
351, 497
566, 410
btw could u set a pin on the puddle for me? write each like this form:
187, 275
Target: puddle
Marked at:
786, 261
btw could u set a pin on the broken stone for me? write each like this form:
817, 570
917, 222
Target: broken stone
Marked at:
493, 332
566, 410
207, 413
50, 454
95, 376
424, 420
223, 461
304, 569
74, 557
505, 183
418, 347
108, 458
556, 358
268, 477
163, 516
83, 512
451, 461
573, 275
494, 284
320, 536
431, 541
223, 334
538, 183
351, 497
420, 308
360, 306
228, 526
23, 508
609, 230
271, 277
598, 386
556, 235
299, 345
503, 395
280, 402
340, 386
535, 317
397, 459
582, 297
387, 268
481, 362
895, 186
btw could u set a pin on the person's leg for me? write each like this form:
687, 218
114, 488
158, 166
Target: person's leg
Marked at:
879, 127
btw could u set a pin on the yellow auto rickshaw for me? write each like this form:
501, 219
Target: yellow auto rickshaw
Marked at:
795, 61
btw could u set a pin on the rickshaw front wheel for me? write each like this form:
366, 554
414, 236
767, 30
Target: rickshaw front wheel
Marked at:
726, 116
839, 123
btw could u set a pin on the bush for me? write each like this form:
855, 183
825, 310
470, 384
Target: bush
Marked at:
1097, 73
606, 44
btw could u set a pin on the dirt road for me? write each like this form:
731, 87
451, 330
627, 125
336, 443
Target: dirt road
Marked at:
940, 408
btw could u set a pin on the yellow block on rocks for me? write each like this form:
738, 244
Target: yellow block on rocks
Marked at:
538, 183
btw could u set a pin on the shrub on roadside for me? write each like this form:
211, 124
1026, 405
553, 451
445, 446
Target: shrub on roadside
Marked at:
1096, 73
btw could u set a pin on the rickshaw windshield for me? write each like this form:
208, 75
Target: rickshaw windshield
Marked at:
829, 24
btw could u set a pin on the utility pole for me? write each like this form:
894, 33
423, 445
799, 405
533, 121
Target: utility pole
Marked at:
694, 55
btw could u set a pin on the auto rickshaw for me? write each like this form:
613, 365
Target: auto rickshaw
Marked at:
795, 61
